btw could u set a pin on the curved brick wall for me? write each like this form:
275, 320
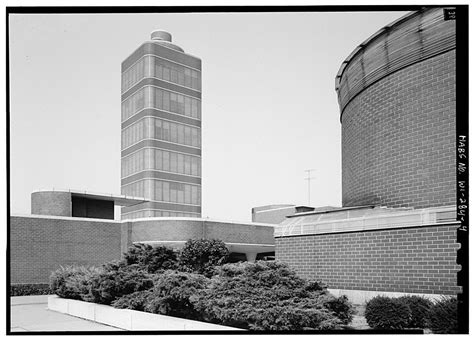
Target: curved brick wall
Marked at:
398, 116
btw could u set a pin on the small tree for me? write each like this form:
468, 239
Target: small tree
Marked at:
201, 256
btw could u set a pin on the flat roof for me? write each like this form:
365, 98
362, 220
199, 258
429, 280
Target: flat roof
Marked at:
121, 200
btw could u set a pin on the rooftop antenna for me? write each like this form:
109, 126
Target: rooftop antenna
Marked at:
309, 178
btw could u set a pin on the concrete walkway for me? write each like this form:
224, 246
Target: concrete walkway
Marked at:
31, 314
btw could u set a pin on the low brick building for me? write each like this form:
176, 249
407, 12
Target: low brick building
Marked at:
366, 251
54, 236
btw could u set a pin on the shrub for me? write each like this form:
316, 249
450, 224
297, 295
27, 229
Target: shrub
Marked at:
22, 289
151, 259
419, 308
267, 296
115, 280
201, 256
135, 301
443, 316
386, 313
340, 307
71, 282
172, 291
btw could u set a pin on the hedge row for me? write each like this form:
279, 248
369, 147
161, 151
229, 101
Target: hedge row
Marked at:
412, 312
23, 289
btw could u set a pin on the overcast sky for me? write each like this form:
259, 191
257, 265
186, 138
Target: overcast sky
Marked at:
269, 106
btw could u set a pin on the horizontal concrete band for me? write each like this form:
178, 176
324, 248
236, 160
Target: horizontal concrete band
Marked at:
162, 84
161, 176
278, 234
161, 145
360, 297
127, 319
161, 51
163, 206
160, 114
85, 220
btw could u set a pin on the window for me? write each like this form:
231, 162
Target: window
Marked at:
180, 163
173, 102
158, 160
187, 165
173, 162
194, 137
166, 191
166, 161
180, 134
194, 166
166, 73
166, 101
187, 135
166, 131
174, 132
158, 190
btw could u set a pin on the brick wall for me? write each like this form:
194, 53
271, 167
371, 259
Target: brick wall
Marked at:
38, 246
183, 230
398, 138
413, 260
54, 203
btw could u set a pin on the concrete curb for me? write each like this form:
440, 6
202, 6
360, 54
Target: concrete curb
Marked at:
127, 319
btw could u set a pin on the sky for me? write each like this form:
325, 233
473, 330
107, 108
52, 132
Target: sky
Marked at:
269, 106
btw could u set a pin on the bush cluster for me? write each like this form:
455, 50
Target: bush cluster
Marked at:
196, 284
22, 289
412, 312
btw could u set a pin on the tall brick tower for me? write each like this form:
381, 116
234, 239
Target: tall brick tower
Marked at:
161, 130
397, 95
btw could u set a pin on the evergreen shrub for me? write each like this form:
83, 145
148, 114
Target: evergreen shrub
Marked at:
115, 280
151, 259
419, 308
443, 316
269, 296
136, 301
202, 256
71, 282
172, 291
383, 312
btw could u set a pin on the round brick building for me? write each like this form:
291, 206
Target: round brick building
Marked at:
397, 97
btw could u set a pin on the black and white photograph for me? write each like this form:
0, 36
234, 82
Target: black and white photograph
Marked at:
237, 170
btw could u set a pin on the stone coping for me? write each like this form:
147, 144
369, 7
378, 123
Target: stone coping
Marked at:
127, 319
